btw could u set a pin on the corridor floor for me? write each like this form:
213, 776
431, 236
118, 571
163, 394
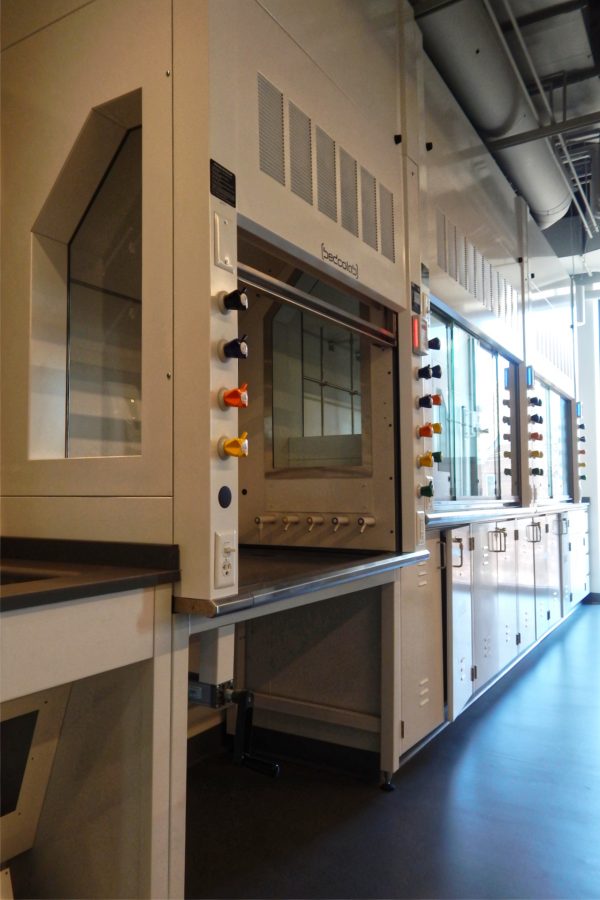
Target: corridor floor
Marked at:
505, 803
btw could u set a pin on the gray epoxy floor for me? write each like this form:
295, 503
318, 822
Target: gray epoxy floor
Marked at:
504, 803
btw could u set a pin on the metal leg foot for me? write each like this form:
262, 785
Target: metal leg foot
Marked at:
387, 782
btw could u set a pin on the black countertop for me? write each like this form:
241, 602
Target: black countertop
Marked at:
269, 574
36, 572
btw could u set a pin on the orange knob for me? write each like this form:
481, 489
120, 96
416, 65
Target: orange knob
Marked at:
234, 397
437, 399
425, 431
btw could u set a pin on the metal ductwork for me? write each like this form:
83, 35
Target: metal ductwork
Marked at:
463, 43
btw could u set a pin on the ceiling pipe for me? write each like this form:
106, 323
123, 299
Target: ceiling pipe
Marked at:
469, 51
591, 222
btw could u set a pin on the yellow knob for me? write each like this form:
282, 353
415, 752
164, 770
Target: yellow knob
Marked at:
426, 459
237, 446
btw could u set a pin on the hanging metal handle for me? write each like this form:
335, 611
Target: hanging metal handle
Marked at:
458, 541
497, 540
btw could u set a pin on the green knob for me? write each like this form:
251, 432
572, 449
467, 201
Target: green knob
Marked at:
426, 490
437, 456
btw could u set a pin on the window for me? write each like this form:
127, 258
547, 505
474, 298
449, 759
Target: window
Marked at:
105, 314
317, 392
477, 435
551, 421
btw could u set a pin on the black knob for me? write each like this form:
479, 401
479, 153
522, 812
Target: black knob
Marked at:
506, 403
537, 418
436, 371
506, 420
583, 477
581, 425
424, 372
434, 344
426, 401
426, 490
537, 471
535, 401
235, 300
508, 471
582, 439
235, 349
437, 456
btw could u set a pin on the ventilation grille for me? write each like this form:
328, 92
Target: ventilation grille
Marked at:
349, 192
368, 199
300, 154
270, 130
457, 256
386, 213
326, 175
286, 135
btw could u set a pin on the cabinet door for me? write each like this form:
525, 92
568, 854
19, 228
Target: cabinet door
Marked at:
506, 555
486, 658
580, 560
421, 649
541, 576
526, 584
565, 563
460, 635
552, 531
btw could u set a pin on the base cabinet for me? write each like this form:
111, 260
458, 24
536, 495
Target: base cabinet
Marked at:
459, 621
508, 584
422, 671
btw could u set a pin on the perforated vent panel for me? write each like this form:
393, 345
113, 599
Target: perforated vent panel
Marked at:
457, 256
270, 130
292, 144
386, 218
349, 192
368, 198
300, 154
326, 175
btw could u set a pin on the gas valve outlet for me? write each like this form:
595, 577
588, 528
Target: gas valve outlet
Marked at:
236, 397
235, 349
339, 521
425, 402
311, 521
436, 371
365, 522
425, 431
424, 372
434, 344
237, 446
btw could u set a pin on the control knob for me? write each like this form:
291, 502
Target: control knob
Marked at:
237, 397
434, 343
237, 446
235, 349
234, 300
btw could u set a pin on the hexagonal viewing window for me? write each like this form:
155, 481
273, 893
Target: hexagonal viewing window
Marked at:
86, 337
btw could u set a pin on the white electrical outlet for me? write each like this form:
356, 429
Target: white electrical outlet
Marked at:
225, 558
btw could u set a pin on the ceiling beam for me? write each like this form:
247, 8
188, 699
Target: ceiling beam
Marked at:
560, 79
536, 134
547, 12
426, 7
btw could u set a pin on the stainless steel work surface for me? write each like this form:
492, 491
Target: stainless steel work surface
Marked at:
271, 574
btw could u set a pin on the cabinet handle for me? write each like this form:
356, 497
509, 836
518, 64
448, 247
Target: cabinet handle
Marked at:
459, 541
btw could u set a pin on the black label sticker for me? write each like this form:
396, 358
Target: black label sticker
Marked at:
222, 183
